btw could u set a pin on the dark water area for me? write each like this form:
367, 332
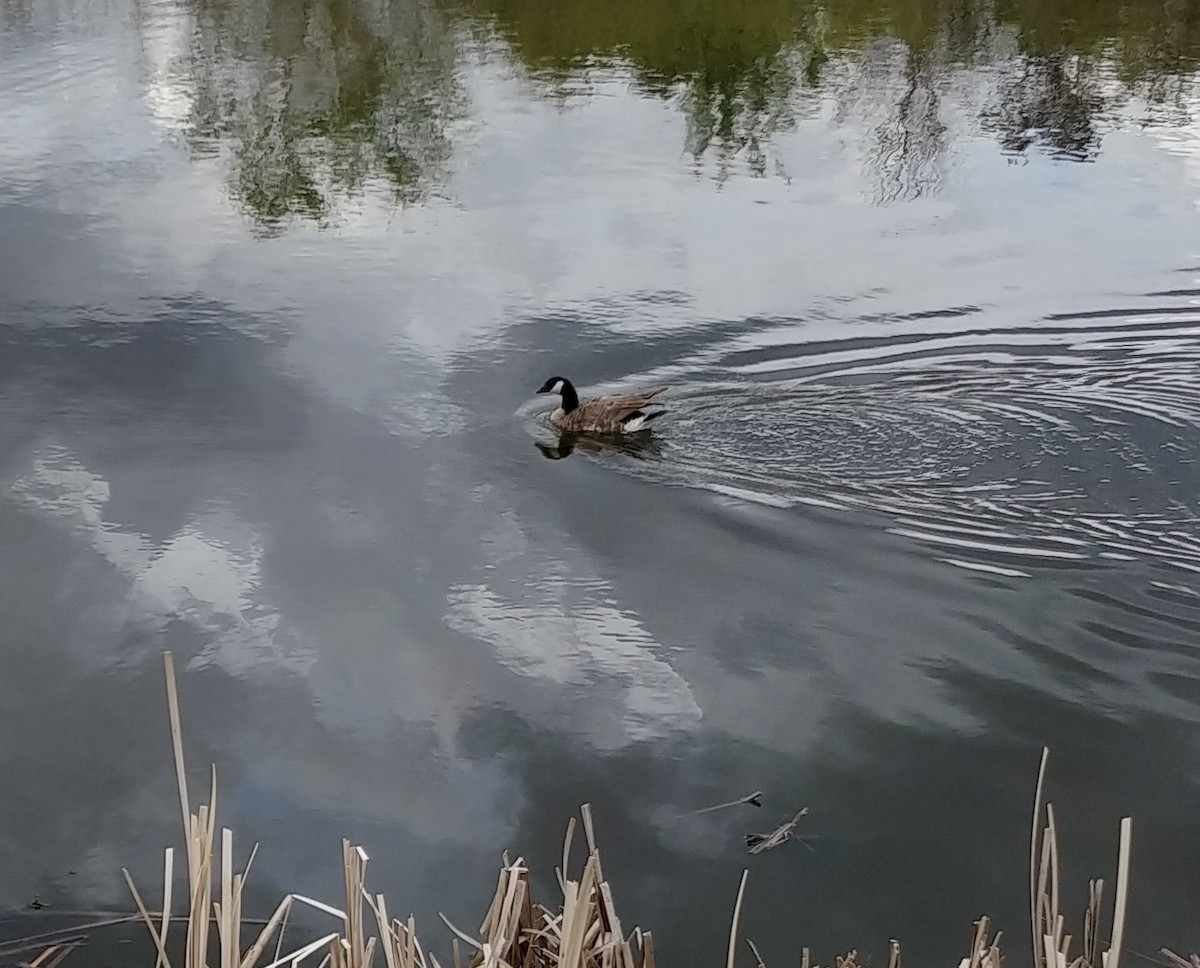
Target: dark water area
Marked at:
277, 283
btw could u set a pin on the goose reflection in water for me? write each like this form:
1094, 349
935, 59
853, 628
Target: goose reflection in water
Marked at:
641, 446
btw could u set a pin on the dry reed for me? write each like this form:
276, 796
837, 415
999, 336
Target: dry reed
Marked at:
584, 931
1051, 943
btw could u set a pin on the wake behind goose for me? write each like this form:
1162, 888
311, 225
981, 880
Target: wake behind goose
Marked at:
1064, 444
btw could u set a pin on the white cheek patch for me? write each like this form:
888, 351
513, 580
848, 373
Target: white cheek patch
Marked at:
558, 387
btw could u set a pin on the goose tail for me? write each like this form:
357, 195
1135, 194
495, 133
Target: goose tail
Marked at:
639, 420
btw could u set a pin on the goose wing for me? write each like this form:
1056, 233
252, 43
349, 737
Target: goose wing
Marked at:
610, 411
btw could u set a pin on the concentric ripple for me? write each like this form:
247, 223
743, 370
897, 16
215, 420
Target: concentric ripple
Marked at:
1074, 441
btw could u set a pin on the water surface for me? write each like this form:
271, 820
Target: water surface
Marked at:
279, 281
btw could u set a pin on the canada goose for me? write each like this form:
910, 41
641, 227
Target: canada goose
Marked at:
600, 415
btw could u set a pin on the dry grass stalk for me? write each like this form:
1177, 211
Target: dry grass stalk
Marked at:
754, 799
1175, 961
74, 935
1051, 945
985, 953
53, 955
584, 932
348, 949
737, 916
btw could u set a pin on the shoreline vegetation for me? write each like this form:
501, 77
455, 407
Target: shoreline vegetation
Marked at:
583, 930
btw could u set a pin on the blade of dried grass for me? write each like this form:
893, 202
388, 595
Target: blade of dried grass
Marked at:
250, 862
1052, 837
488, 925
197, 930
731, 957
225, 912
1091, 921
527, 916
1112, 957
251, 957
625, 958
566, 858
391, 944
168, 884
1048, 951
510, 907
301, 953
412, 948
477, 945
647, 947
208, 823
349, 891
758, 962
1045, 913
55, 955
238, 881
177, 747
594, 926
283, 926
589, 828
753, 799
977, 942
320, 906
41, 939
137, 899
1033, 859
364, 948
578, 909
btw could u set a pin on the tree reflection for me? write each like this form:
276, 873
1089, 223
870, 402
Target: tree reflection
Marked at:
320, 98
744, 70
312, 100
736, 113
1052, 101
735, 67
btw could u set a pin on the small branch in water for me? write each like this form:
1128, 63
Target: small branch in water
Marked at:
781, 834
753, 799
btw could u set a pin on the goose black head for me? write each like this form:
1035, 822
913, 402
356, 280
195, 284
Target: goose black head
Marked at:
556, 384
562, 386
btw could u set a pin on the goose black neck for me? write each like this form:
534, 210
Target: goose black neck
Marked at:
570, 399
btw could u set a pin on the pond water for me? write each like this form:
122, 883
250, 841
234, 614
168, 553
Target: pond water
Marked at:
278, 283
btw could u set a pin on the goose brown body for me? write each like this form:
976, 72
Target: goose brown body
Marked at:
600, 415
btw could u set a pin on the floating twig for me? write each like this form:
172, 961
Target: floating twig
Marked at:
753, 799
784, 832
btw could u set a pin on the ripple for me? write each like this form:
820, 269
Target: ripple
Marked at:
1065, 444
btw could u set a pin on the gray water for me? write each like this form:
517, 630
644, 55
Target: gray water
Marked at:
278, 283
